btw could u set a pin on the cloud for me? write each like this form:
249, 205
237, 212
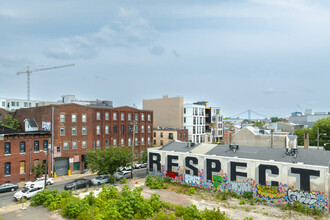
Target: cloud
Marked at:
13, 61
128, 30
156, 50
8, 13
175, 53
269, 91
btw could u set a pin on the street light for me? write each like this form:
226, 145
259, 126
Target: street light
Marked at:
318, 137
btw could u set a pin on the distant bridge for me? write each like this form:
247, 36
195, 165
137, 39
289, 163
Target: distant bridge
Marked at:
249, 112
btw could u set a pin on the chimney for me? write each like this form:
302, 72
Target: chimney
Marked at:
306, 140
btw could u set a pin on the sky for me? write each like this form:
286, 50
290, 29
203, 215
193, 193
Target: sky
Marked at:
265, 55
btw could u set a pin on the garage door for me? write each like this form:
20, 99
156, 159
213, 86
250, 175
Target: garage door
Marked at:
61, 166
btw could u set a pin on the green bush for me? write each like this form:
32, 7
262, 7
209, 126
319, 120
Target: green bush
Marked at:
123, 180
213, 214
242, 202
248, 195
233, 194
191, 212
111, 180
192, 190
154, 183
252, 202
179, 210
224, 196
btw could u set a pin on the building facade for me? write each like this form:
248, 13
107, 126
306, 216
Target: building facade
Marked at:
78, 129
21, 151
162, 136
167, 112
194, 122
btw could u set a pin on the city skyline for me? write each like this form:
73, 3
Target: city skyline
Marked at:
267, 56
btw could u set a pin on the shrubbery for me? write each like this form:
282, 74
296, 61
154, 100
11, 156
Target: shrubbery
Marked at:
154, 183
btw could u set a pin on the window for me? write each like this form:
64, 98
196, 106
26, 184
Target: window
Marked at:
122, 129
107, 129
107, 116
170, 136
149, 117
4, 104
161, 142
194, 130
115, 129
98, 129
17, 104
184, 120
129, 129
106, 143
62, 117
12, 103
142, 128
149, 129
62, 131
136, 117
154, 134
84, 144
98, 116
74, 131
114, 142
136, 129
25, 104
36, 145
122, 143
149, 140
65, 145
142, 140
45, 145
22, 147
184, 111
74, 118
154, 142
84, 118
98, 145
142, 117
7, 169
129, 142
84, 130
180, 135
161, 134
58, 149
129, 116
185, 134
22, 167
122, 116
136, 142
74, 144
7, 148
114, 116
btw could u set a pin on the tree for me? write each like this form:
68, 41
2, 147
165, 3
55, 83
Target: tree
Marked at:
109, 160
258, 124
300, 136
11, 123
144, 158
275, 119
38, 169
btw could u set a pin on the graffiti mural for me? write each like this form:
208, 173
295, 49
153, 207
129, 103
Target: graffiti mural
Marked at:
269, 191
217, 181
192, 180
170, 174
302, 197
239, 187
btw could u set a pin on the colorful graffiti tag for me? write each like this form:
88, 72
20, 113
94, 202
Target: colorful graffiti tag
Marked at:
302, 197
239, 187
269, 191
192, 180
217, 181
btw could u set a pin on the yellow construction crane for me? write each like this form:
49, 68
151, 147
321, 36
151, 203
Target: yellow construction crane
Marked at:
28, 72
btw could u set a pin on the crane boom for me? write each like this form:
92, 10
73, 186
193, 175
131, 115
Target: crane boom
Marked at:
28, 72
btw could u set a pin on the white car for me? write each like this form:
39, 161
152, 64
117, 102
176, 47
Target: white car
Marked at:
40, 182
27, 193
101, 179
123, 174
140, 165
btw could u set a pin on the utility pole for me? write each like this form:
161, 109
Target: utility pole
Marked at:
133, 145
46, 168
318, 137
52, 148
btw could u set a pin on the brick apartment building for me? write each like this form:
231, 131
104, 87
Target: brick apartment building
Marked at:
21, 151
164, 135
78, 129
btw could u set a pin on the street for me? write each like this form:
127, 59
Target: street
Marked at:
8, 199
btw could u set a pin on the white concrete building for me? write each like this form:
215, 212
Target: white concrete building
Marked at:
13, 104
194, 121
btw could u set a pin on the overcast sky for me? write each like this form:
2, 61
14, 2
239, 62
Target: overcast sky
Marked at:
263, 55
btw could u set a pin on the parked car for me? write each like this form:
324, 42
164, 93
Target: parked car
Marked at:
122, 174
128, 168
101, 179
27, 193
39, 182
140, 165
6, 187
78, 184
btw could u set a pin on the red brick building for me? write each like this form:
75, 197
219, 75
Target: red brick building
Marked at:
21, 150
80, 128
164, 135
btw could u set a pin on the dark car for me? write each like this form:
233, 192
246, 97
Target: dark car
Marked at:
78, 184
7, 187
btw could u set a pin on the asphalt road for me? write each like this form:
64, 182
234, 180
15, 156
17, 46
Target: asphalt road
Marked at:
7, 198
